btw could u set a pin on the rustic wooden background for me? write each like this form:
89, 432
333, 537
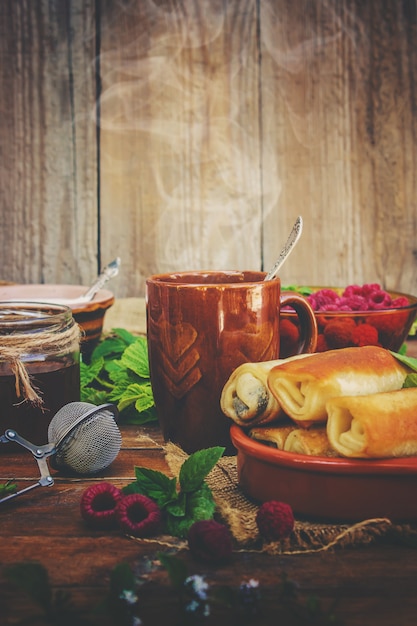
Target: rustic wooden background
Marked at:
183, 134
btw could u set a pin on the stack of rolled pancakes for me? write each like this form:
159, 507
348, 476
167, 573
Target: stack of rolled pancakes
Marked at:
348, 402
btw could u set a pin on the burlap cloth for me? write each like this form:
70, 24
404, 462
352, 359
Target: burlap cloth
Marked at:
238, 512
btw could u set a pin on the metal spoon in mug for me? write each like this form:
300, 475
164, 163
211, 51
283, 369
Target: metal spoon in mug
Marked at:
294, 236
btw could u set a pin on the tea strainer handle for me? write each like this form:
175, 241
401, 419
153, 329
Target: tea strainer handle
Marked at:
40, 454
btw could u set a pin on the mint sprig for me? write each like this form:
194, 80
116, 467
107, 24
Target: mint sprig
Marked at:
197, 505
183, 501
410, 381
7, 488
118, 372
153, 484
411, 362
303, 291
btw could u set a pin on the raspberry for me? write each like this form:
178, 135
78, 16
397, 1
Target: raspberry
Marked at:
338, 333
349, 322
98, 505
400, 302
321, 344
388, 323
138, 515
353, 290
289, 338
330, 307
365, 335
379, 300
355, 298
369, 288
275, 520
354, 303
321, 298
209, 540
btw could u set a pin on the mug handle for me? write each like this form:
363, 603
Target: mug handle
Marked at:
307, 323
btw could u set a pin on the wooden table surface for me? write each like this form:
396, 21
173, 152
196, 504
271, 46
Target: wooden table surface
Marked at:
371, 585
374, 584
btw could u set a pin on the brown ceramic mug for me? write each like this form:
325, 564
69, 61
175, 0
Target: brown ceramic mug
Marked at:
201, 325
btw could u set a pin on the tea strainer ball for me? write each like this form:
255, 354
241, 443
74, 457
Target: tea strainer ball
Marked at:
86, 437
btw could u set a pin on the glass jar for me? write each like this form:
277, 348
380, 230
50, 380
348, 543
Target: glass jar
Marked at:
39, 367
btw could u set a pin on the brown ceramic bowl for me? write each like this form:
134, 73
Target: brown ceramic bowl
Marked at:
340, 329
327, 489
89, 315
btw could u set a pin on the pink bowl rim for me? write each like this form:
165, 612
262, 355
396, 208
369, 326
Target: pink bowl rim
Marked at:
329, 465
50, 290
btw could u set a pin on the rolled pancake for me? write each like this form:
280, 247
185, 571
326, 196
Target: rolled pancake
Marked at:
303, 387
246, 398
274, 437
379, 425
311, 441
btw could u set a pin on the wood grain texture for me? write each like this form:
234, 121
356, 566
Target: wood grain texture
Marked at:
339, 114
48, 181
370, 585
218, 123
180, 137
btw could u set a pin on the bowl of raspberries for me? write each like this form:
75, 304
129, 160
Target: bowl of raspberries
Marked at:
356, 315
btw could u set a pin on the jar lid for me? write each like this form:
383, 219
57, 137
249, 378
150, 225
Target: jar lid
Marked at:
21, 316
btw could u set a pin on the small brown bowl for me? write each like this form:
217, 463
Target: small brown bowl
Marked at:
327, 489
89, 315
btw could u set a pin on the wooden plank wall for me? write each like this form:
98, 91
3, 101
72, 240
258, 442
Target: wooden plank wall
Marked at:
183, 134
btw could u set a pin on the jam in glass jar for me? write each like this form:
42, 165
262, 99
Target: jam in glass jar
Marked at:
39, 367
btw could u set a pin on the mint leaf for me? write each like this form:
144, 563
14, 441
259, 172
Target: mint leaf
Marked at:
303, 291
179, 507
139, 395
89, 373
114, 345
153, 484
200, 506
410, 361
114, 368
93, 396
410, 381
6, 488
124, 335
194, 469
120, 378
113, 348
179, 526
118, 372
145, 398
192, 502
135, 358
201, 503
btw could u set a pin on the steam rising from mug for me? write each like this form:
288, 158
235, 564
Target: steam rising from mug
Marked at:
83, 438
